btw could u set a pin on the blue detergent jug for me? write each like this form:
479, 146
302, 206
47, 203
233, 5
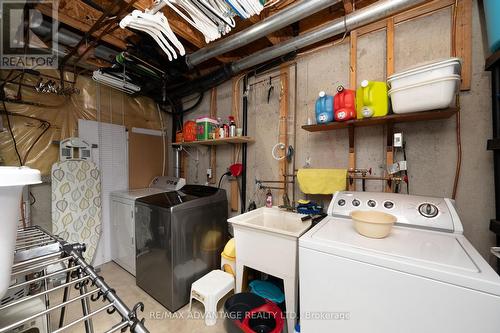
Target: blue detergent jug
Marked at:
492, 16
324, 108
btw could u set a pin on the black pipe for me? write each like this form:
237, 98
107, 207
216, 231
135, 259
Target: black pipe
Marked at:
495, 108
244, 148
201, 84
494, 145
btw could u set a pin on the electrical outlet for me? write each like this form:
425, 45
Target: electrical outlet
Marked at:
397, 167
398, 140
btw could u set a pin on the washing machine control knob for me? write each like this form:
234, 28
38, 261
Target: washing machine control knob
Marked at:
389, 204
356, 203
341, 202
428, 210
371, 203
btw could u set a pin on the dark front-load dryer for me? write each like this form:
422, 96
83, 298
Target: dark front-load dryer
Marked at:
179, 238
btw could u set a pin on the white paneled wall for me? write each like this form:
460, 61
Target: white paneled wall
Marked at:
111, 155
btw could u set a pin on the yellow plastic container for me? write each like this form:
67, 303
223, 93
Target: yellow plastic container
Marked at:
228, 258
372, 99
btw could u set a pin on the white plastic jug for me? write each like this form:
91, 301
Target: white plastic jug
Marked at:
12, 180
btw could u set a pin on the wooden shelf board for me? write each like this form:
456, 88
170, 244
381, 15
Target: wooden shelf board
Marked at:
234, 140
392, 118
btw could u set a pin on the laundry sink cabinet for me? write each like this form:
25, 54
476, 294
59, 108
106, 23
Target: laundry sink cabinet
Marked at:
267, 240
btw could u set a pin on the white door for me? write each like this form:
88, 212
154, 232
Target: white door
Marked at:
123, 235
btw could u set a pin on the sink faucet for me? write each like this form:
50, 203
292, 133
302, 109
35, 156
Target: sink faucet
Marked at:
286, 204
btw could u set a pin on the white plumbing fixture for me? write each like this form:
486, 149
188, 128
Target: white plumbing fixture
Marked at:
12, 180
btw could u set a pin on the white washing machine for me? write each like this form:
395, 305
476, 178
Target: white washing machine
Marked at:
424, 277
123, 218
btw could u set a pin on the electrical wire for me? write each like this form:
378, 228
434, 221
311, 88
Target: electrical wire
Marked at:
457, 128
44, 124
163, 139
222, 177
12, 133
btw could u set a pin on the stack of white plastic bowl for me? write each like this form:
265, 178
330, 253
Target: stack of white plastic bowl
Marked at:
12, 181
426, 87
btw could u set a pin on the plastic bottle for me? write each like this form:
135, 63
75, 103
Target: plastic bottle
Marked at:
344, 104
324, 108
232, 127
220, 129
269, 199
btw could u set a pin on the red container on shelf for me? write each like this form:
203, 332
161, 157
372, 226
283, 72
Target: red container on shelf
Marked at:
189, 131
344, 104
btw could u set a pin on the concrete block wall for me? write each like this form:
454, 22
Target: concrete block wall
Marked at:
431, 146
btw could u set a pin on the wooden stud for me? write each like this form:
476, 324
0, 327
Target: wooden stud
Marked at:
352, 157
213, 149
283, 120
463, 41
352, 85
353, 59
390, 46
235, 198
389, 159
422, 10
348, 7
235, 194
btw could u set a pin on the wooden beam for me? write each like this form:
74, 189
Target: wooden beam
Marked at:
348, 7
213, 149
283, 122
352, 158
421, 10
463, 40
74, 22
353, 59
390, 46
178, 24
389, 155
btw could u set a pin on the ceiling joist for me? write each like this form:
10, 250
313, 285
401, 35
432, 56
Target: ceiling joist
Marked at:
80, 16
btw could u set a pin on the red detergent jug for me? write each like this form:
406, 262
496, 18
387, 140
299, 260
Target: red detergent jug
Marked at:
345, 104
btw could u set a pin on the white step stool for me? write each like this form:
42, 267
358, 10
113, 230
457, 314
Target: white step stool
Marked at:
209, 290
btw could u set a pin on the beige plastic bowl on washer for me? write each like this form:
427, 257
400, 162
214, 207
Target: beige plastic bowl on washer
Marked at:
373, 224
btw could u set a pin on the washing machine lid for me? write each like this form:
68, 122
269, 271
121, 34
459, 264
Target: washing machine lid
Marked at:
174, 198
137, 193
442, 256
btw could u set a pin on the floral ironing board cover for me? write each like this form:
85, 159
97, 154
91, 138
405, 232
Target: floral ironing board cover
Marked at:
76, 203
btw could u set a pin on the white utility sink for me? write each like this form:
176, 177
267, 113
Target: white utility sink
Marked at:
267, 240
273, 220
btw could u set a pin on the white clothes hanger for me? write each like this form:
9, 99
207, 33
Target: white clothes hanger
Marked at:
138, 24
156, 25
196, 18
162, 25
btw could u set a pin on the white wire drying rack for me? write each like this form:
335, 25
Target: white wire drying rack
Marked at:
41, 260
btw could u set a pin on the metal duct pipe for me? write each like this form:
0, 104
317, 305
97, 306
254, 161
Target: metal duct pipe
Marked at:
358, 18
177, 162
291, 14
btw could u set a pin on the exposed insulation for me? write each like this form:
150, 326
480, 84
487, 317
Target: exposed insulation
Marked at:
94, 102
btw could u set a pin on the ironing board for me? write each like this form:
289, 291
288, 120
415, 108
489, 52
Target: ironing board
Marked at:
76, 197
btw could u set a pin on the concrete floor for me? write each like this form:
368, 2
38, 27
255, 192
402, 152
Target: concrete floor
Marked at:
158, 319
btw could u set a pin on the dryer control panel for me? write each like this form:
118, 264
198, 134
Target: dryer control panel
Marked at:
410, 210
168, 183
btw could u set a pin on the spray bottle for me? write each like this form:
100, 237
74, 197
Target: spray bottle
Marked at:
269, 199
